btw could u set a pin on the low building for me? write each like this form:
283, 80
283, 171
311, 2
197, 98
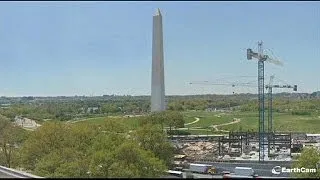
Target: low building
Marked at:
92, 109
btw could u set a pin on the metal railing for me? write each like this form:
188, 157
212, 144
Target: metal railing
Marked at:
15, 173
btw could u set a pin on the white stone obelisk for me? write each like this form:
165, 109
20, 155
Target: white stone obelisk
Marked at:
157, 81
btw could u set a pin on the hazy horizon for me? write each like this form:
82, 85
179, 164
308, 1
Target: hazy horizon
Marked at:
100, 48
149, 95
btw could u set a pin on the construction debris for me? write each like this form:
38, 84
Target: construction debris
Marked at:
199, 149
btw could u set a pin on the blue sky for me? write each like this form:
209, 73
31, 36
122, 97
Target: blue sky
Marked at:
96, 48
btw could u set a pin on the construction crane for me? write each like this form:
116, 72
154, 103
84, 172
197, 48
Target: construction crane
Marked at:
261, 59
224, 82
270, 111
249, 84
270, 103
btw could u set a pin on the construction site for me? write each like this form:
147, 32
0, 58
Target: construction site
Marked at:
242, 146
262, 146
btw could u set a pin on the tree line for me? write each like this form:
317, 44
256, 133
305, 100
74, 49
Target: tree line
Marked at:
67, 109
285, 105
110, 149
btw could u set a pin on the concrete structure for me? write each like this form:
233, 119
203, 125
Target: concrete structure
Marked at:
157, 82
25, 122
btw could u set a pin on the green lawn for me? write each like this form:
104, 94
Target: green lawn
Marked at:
188, 119
310, 124
97, 120
208, 118
131, 122
249, 121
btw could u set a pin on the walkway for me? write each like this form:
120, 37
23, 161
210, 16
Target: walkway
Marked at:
236, 120
197, 119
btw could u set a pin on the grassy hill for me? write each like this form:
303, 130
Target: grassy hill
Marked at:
284, 122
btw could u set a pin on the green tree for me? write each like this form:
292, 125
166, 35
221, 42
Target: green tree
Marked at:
47, 138
110, 108
151, 137
64, 162
80, 150
48, 164
174, 119
11, 137
154, 118
175, 106
135, 162
309, 158
116, 155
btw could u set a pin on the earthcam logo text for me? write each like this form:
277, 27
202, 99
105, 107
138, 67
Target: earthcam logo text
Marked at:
279, 169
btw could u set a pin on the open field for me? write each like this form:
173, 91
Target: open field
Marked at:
132, 122
208, 119
249, 121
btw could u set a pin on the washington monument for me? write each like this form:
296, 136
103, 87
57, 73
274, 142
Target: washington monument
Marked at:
157, 81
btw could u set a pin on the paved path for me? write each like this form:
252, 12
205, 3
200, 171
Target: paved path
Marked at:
29, 129
75, 121
88, 119
213, 126
197, 119
225, 124
203, 129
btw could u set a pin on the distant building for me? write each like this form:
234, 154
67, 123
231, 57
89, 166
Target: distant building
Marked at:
92, 109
